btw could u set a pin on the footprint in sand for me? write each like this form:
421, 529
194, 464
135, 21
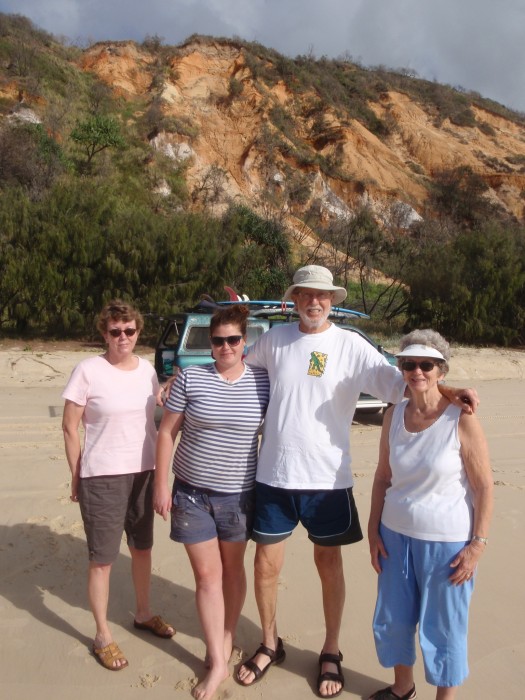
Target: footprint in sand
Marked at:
36, 519
291, 639
506, 483
187, 684
148, 680
236, 656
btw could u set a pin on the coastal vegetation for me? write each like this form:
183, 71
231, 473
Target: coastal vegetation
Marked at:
88, 211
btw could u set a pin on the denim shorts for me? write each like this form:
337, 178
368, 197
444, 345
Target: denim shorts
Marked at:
199, 515
330, 517
111, 505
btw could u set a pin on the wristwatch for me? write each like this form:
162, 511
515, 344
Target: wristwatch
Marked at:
483, 540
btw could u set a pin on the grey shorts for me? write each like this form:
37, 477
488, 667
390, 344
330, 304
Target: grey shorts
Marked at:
111, 505
199, 515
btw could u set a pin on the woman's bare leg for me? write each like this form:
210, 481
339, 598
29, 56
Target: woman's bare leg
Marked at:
205, 559
233, 589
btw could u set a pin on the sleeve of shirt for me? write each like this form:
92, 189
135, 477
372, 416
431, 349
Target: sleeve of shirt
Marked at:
178, 398
255, 354
381, 379
77, 387
154, 381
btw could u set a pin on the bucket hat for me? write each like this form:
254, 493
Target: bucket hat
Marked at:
315, 277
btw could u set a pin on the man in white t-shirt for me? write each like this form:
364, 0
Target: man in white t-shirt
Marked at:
317, 371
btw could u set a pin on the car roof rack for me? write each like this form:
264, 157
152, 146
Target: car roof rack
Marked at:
285, 308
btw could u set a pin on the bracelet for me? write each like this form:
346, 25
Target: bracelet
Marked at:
483, 540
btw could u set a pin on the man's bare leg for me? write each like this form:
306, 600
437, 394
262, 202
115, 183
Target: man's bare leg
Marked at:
269, 559
329, 564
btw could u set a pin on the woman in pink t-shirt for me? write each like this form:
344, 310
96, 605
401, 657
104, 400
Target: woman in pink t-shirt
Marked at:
113, 396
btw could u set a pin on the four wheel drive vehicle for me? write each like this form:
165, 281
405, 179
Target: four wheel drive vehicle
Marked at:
184, 339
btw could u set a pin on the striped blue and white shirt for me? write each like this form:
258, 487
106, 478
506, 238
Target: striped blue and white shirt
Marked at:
219, 442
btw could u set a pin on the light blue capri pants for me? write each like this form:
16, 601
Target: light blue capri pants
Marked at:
413, 587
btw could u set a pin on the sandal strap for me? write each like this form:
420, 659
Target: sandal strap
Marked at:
271, 653
111, 650
329, 676
388, 694
325, 658
252, 666
158, 624
109, 654
275, 655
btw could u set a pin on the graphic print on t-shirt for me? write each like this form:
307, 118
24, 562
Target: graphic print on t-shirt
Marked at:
317, 364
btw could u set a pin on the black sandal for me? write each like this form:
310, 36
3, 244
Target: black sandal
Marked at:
388, 694
276, 657
330, 676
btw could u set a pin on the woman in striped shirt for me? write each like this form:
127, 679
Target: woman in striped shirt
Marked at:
222, 406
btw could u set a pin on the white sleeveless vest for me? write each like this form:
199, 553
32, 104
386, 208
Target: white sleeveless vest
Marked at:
430, 497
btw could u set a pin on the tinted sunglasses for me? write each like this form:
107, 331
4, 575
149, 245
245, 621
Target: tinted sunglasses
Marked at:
320, 296
116, 332
218, 341
410, 365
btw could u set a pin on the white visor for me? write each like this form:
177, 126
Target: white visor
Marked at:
420, 351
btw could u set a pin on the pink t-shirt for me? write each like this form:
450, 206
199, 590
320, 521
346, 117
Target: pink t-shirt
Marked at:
118, 419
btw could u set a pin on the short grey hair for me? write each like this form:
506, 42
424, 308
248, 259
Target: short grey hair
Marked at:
426, 336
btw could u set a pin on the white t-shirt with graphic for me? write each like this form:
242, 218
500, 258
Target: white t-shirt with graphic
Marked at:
315, 382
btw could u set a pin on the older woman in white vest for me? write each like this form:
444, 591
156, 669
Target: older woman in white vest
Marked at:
431, 508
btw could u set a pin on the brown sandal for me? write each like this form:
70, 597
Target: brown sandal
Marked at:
156, 626
388, 694
276, 656
107, 656
330, 676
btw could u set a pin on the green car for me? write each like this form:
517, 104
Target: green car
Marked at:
184, 340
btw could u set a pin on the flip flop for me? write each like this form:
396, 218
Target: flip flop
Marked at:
106, 656
329, 675
276, 657
156, 626
388, 694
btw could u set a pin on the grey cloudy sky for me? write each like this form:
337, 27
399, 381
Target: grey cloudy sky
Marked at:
475, 44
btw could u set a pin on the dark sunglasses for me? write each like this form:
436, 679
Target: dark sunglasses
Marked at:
410, 365
116, 332
218, 341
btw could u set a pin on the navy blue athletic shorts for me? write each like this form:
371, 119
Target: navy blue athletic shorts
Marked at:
330, 517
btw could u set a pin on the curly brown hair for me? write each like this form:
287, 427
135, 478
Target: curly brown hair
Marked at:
118, 310
236, 314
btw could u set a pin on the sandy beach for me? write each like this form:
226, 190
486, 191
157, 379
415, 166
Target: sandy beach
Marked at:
46, 625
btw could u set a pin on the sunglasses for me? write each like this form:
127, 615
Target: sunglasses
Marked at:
218, 341
116, 332
320, 296
411, 365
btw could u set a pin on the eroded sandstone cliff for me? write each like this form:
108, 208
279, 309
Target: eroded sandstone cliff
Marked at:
261, 137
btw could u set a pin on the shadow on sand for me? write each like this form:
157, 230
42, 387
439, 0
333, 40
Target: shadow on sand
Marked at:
38, 563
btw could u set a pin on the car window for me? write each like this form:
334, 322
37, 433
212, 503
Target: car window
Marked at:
253, 333
172, 336
198, 338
